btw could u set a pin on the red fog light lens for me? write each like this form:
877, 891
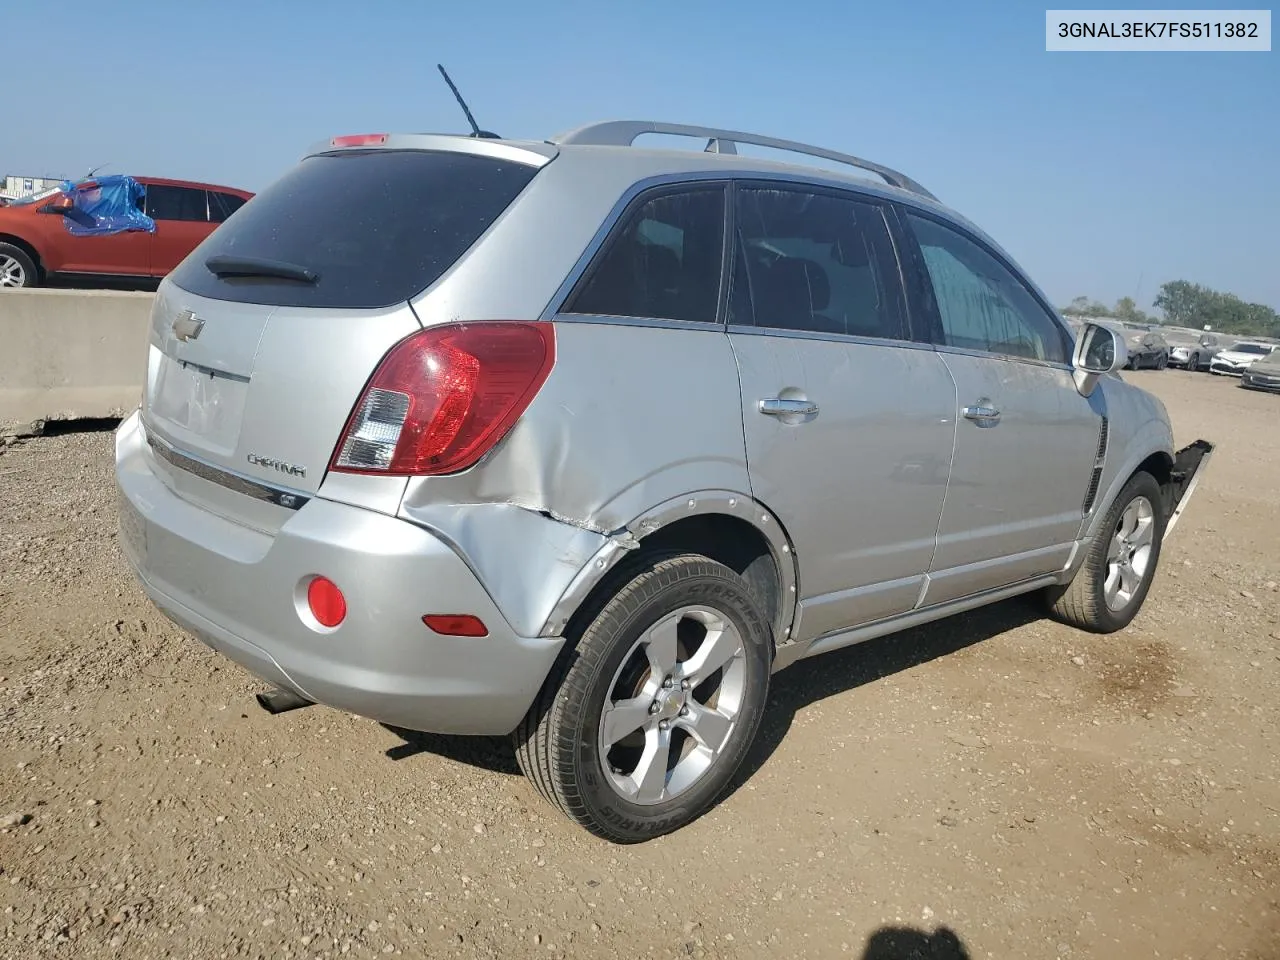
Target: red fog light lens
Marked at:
326, 601
456, 624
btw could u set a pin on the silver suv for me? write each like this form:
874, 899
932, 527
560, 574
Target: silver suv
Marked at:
581, 442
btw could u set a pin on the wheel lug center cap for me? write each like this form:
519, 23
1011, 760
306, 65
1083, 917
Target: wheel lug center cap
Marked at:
670, 703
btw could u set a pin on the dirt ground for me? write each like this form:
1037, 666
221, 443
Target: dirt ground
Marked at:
992, 786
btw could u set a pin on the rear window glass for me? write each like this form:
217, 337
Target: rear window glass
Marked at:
376, 227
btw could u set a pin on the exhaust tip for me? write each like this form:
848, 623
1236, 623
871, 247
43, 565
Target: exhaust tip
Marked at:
280, 700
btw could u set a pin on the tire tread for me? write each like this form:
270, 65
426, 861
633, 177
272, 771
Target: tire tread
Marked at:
544, 744
1079, 603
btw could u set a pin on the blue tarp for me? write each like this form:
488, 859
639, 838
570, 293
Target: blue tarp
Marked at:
106, 205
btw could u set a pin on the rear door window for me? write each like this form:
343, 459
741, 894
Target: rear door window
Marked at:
176, 203
815, 262
377, 227
663, 261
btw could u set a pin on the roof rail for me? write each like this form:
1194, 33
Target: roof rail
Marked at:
622, 133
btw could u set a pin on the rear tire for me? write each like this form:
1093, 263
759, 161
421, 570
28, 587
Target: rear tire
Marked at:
643, 723
1111, 584
17, 269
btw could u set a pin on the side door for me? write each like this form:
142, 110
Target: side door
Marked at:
848, 422
182, 221
127, 253
1026, 440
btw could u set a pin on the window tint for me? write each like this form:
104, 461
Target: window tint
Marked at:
982, 305
175, 203
664, 261
377, 226
816, 262
223, 205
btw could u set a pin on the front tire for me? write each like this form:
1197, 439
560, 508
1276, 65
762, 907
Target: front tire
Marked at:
1111, 584
17, 269
645, 721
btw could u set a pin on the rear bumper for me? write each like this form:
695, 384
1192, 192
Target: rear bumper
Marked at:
243, 593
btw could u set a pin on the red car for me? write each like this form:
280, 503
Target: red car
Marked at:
36, 245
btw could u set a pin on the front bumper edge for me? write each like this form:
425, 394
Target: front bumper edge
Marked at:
1188, 468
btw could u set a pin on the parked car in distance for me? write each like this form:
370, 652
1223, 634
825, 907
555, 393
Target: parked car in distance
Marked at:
1263, 374
1147, 347
35, 244
1189, 351
401, 449
1241, 355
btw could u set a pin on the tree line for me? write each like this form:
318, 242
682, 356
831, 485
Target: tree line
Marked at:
1186, 304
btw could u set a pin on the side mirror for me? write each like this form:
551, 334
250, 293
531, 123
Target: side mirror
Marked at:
61, 204
1099, 351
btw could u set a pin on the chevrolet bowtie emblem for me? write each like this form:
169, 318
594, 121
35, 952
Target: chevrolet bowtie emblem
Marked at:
187, 326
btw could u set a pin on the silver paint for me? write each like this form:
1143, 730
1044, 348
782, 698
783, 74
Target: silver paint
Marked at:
882, 508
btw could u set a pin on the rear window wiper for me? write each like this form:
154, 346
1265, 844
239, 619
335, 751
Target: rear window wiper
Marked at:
226, 265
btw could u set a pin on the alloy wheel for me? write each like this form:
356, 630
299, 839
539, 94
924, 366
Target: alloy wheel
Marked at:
672, 705
1129, 553
12, 273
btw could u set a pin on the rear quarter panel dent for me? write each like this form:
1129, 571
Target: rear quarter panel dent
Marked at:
630, 418
691, 503
524, 560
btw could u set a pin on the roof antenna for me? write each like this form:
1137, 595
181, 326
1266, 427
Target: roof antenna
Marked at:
475, 130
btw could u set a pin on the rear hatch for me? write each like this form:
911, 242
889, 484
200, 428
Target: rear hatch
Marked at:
262, 340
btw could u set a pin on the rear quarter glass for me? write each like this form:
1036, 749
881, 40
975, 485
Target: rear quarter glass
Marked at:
377, 227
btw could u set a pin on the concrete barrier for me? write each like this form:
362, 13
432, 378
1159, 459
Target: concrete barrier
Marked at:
68, 354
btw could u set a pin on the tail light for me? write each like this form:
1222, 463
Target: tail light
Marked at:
442, 397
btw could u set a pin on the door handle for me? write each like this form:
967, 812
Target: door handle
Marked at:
984, 414
776, 407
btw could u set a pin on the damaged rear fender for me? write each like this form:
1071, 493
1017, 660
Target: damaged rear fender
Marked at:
700, 503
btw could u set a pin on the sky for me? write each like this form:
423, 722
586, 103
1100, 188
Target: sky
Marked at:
1103, 174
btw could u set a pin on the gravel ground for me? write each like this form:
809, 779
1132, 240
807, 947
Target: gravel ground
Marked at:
992, 786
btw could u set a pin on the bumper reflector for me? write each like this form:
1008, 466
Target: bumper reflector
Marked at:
326, 602
456, 624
